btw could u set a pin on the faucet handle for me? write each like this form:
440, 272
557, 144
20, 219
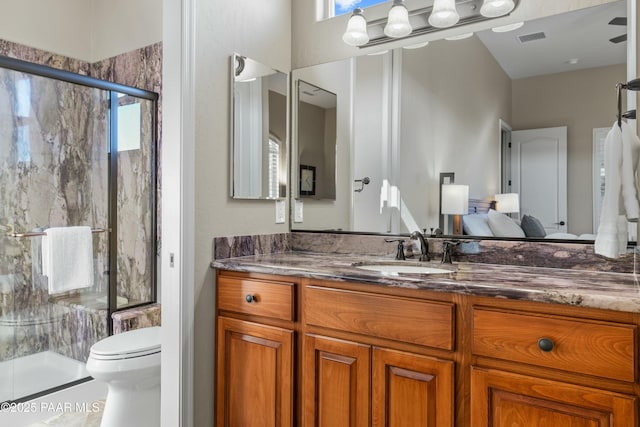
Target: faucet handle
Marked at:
400, 250
447, 246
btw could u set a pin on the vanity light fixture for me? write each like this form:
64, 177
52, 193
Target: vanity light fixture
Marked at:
398, 21
356, 33
444, 14
508, 27
415, 46
495, 8
402, 23
459, 37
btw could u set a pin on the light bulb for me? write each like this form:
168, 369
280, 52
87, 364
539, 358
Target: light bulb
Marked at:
495, 8
356, 33
508, 27
398, 21
444, 14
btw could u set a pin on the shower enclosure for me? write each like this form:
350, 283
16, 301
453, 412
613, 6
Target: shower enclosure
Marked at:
74, 151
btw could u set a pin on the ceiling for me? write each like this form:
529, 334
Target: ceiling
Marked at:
582, 34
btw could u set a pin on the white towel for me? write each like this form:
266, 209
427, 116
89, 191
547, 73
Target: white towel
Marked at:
67, 258
611, 240
630, 153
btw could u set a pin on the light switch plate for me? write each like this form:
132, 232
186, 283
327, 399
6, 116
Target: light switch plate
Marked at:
280, 211
298, 210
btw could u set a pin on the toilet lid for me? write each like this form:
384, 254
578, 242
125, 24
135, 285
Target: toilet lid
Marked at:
136, 343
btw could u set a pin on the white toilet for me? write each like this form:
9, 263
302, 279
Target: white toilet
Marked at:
130, 365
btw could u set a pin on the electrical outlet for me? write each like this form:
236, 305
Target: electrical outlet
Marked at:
298, 211
280, 211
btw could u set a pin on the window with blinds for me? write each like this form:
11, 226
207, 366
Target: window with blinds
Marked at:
274, 169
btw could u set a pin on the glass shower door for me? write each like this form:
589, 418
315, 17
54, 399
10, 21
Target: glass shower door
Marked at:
53, 173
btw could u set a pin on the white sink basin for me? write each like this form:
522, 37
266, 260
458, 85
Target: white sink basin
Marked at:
395, 269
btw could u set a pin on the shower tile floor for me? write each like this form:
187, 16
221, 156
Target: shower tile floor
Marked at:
75, 419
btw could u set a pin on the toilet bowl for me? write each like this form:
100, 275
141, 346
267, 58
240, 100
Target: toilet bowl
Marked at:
130, 365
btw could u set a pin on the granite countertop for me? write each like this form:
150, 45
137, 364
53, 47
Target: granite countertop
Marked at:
605, 290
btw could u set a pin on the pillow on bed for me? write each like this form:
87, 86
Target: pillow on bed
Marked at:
503, 226
532, 226
476, 225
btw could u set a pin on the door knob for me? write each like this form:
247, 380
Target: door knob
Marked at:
560, 223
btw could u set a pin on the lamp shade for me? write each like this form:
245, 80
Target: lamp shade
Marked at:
455, 199
507, 202
495, 8
356, 33
444, 14
398, 21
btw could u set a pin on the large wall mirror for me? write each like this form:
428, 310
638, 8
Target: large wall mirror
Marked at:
259, 130
451, 106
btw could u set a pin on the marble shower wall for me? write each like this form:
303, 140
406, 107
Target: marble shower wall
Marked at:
53, 173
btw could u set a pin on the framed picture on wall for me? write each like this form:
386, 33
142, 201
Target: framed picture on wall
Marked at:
307, 180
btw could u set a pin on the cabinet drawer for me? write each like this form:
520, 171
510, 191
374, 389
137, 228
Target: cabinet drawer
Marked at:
256, 297
414, 321
601, 349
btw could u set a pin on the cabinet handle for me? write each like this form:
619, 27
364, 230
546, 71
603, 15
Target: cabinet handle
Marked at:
250, 298
545, 344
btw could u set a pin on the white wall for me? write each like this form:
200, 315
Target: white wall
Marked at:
88, 30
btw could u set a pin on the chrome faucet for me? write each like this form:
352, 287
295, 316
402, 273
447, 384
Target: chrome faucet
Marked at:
399, 250
424, 245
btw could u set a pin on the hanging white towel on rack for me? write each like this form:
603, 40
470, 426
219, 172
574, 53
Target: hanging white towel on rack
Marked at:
611, 240
67, 258
630, 153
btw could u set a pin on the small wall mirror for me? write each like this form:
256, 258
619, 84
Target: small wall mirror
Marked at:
316, 142
259, 130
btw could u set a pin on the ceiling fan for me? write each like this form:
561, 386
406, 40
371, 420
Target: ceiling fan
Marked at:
620, 20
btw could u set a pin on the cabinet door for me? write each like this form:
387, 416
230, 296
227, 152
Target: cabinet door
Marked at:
254, 375
411, 390
335, 383
501, 399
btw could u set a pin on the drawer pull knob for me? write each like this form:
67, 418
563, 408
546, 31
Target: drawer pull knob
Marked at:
545, 344
250, 298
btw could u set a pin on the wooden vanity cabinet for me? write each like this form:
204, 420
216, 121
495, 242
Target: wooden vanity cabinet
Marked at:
366, 382
353, 384
255, 352
569, 363
503, 399
313, 353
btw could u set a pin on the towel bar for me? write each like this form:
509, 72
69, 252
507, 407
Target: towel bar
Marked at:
41, 233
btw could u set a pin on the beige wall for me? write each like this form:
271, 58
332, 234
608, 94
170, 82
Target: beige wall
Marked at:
119, 26
261, 31
88, 30
453, 96
581, 100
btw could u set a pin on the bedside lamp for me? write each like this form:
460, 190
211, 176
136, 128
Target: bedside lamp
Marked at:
508, 203
455, 201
